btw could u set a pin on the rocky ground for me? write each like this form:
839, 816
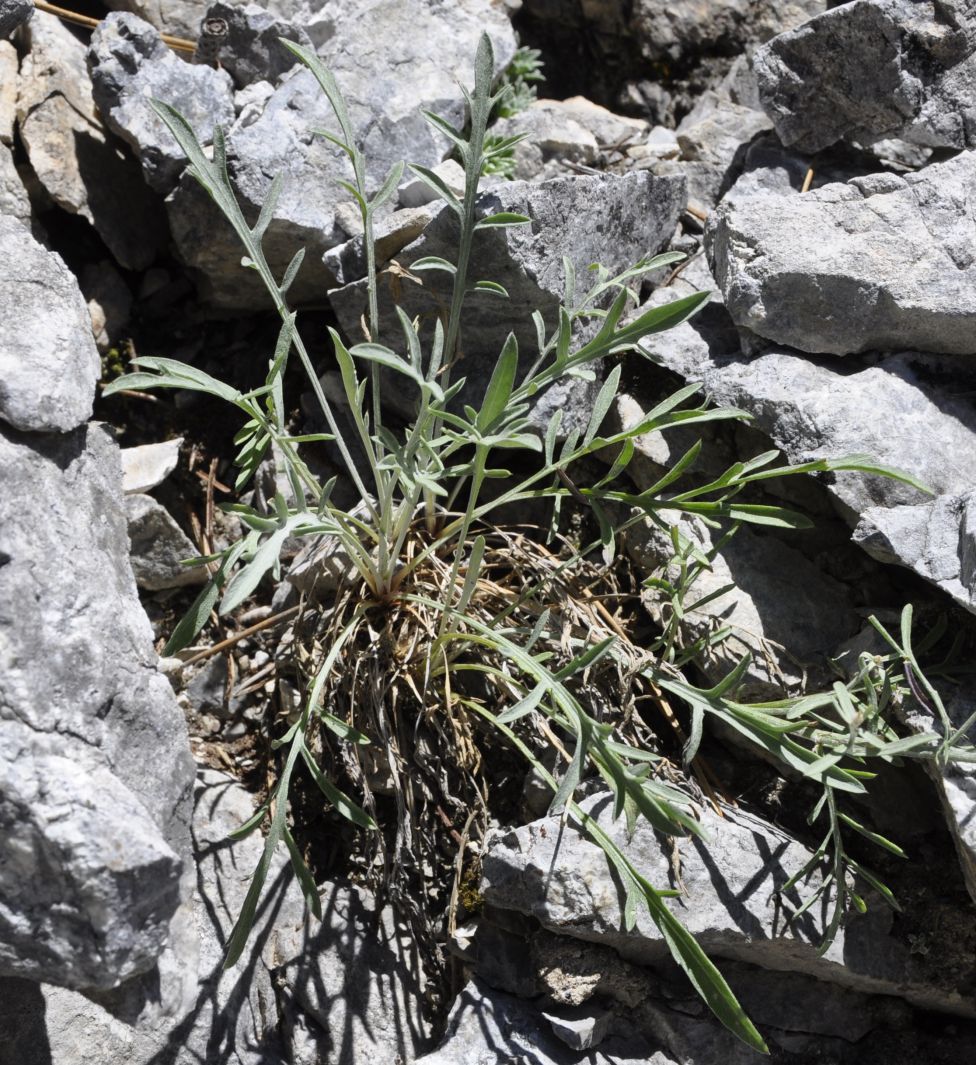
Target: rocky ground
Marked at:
817, 163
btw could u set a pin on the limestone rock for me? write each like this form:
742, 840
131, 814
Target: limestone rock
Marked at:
179, 17
48, 361
729, 882
252, 50
880, 262
95, 765
712, 138
234, 1010
159, 547
920, 423
129, 65
608, 219
561, 131
9, 64
353, 977
12, 14
937, 540
956, 783
84, 169
14, 202
146, 466
873, 69
781, 609
391, 59
668, 30
488, 1026
109, 301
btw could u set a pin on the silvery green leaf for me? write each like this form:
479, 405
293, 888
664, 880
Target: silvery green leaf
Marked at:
438, 185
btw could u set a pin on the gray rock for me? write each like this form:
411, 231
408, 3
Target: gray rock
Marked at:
252, 50
12, 14
48, 361
782, 610
109, 301
159, 547
591, 983
614, 220
662, 51
487, 1027
14, 201
937, 540
179, 17
712, 139
814, 409
668, 30
147, 466
416, 193
956, 783
96, 768
129, 65
355, 976
873, 69
231, 1015
573, 131
727, 901
9, 65
391, 235
391, 59
82, 167
880, 262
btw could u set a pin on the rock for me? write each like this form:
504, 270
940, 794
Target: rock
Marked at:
83, 169
881, 262
391, 59
48, 361
663, 52
815, 408
14, 202
553, 137
956, 783
181, 18
727, 902
582, 1028
109, 301
873, 69
92, 923
667, 30
937, 540
803, 1019
252, 50
129, 65
159, 547
233, 1013
12, 14
96, 768
487, 1026
207, 691
782, 610
146, 466
416, 193
616, 220
9, 65
391, 235
355, 976
712, 139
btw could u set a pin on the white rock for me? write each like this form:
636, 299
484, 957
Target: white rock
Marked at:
145, 467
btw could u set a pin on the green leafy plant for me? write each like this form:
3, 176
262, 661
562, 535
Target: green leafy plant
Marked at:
520, 79
454, 638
